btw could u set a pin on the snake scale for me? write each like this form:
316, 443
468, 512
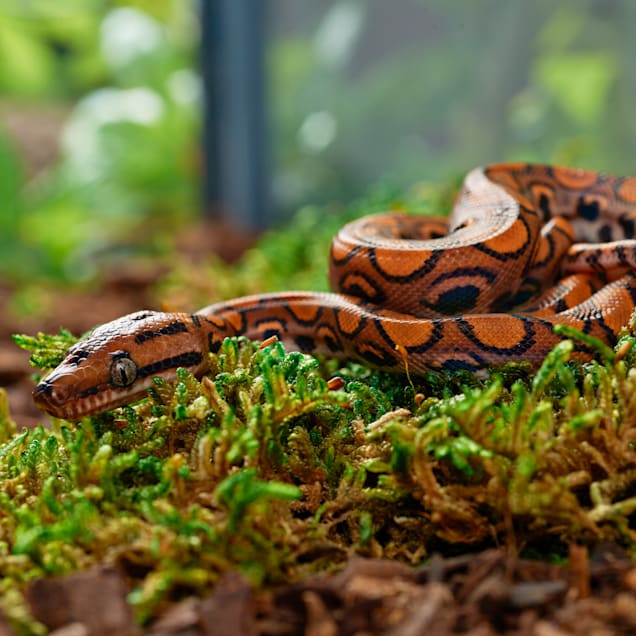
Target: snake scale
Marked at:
526, 247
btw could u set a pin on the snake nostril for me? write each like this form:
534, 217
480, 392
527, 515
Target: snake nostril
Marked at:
46, 392
43, 388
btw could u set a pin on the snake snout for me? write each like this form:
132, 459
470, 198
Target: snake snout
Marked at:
49, 397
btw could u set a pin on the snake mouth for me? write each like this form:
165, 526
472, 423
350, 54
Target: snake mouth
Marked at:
59, 401
50, 398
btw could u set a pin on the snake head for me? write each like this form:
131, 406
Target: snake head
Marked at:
116, 362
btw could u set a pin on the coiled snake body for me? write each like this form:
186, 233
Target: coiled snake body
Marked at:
526, 247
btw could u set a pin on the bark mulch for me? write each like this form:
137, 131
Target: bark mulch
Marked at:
479, 594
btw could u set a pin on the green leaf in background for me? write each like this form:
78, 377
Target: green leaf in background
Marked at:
358, 96
10, 179
49, 49
26, 62
562, 28
579, 82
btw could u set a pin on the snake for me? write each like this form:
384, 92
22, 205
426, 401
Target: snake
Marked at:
525, 247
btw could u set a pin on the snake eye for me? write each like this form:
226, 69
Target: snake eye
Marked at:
123, 371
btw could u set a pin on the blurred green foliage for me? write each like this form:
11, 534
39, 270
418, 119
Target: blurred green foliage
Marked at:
368, 91
124, 71
361, 93
264, 467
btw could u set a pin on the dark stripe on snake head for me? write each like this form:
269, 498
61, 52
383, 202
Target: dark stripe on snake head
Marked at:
88, 392
187, 359
77, 356
170, 329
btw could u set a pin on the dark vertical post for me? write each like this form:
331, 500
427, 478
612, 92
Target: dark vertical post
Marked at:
235, 135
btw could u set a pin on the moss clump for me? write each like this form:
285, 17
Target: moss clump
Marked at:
262, 466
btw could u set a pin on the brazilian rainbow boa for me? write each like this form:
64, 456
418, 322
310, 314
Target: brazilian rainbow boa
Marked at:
526, 247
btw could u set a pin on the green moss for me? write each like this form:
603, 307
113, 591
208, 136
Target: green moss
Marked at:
260, 466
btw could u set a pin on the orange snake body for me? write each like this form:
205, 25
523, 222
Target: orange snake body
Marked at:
526, 247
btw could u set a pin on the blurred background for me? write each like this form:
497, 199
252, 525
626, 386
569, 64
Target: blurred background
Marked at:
135, 129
